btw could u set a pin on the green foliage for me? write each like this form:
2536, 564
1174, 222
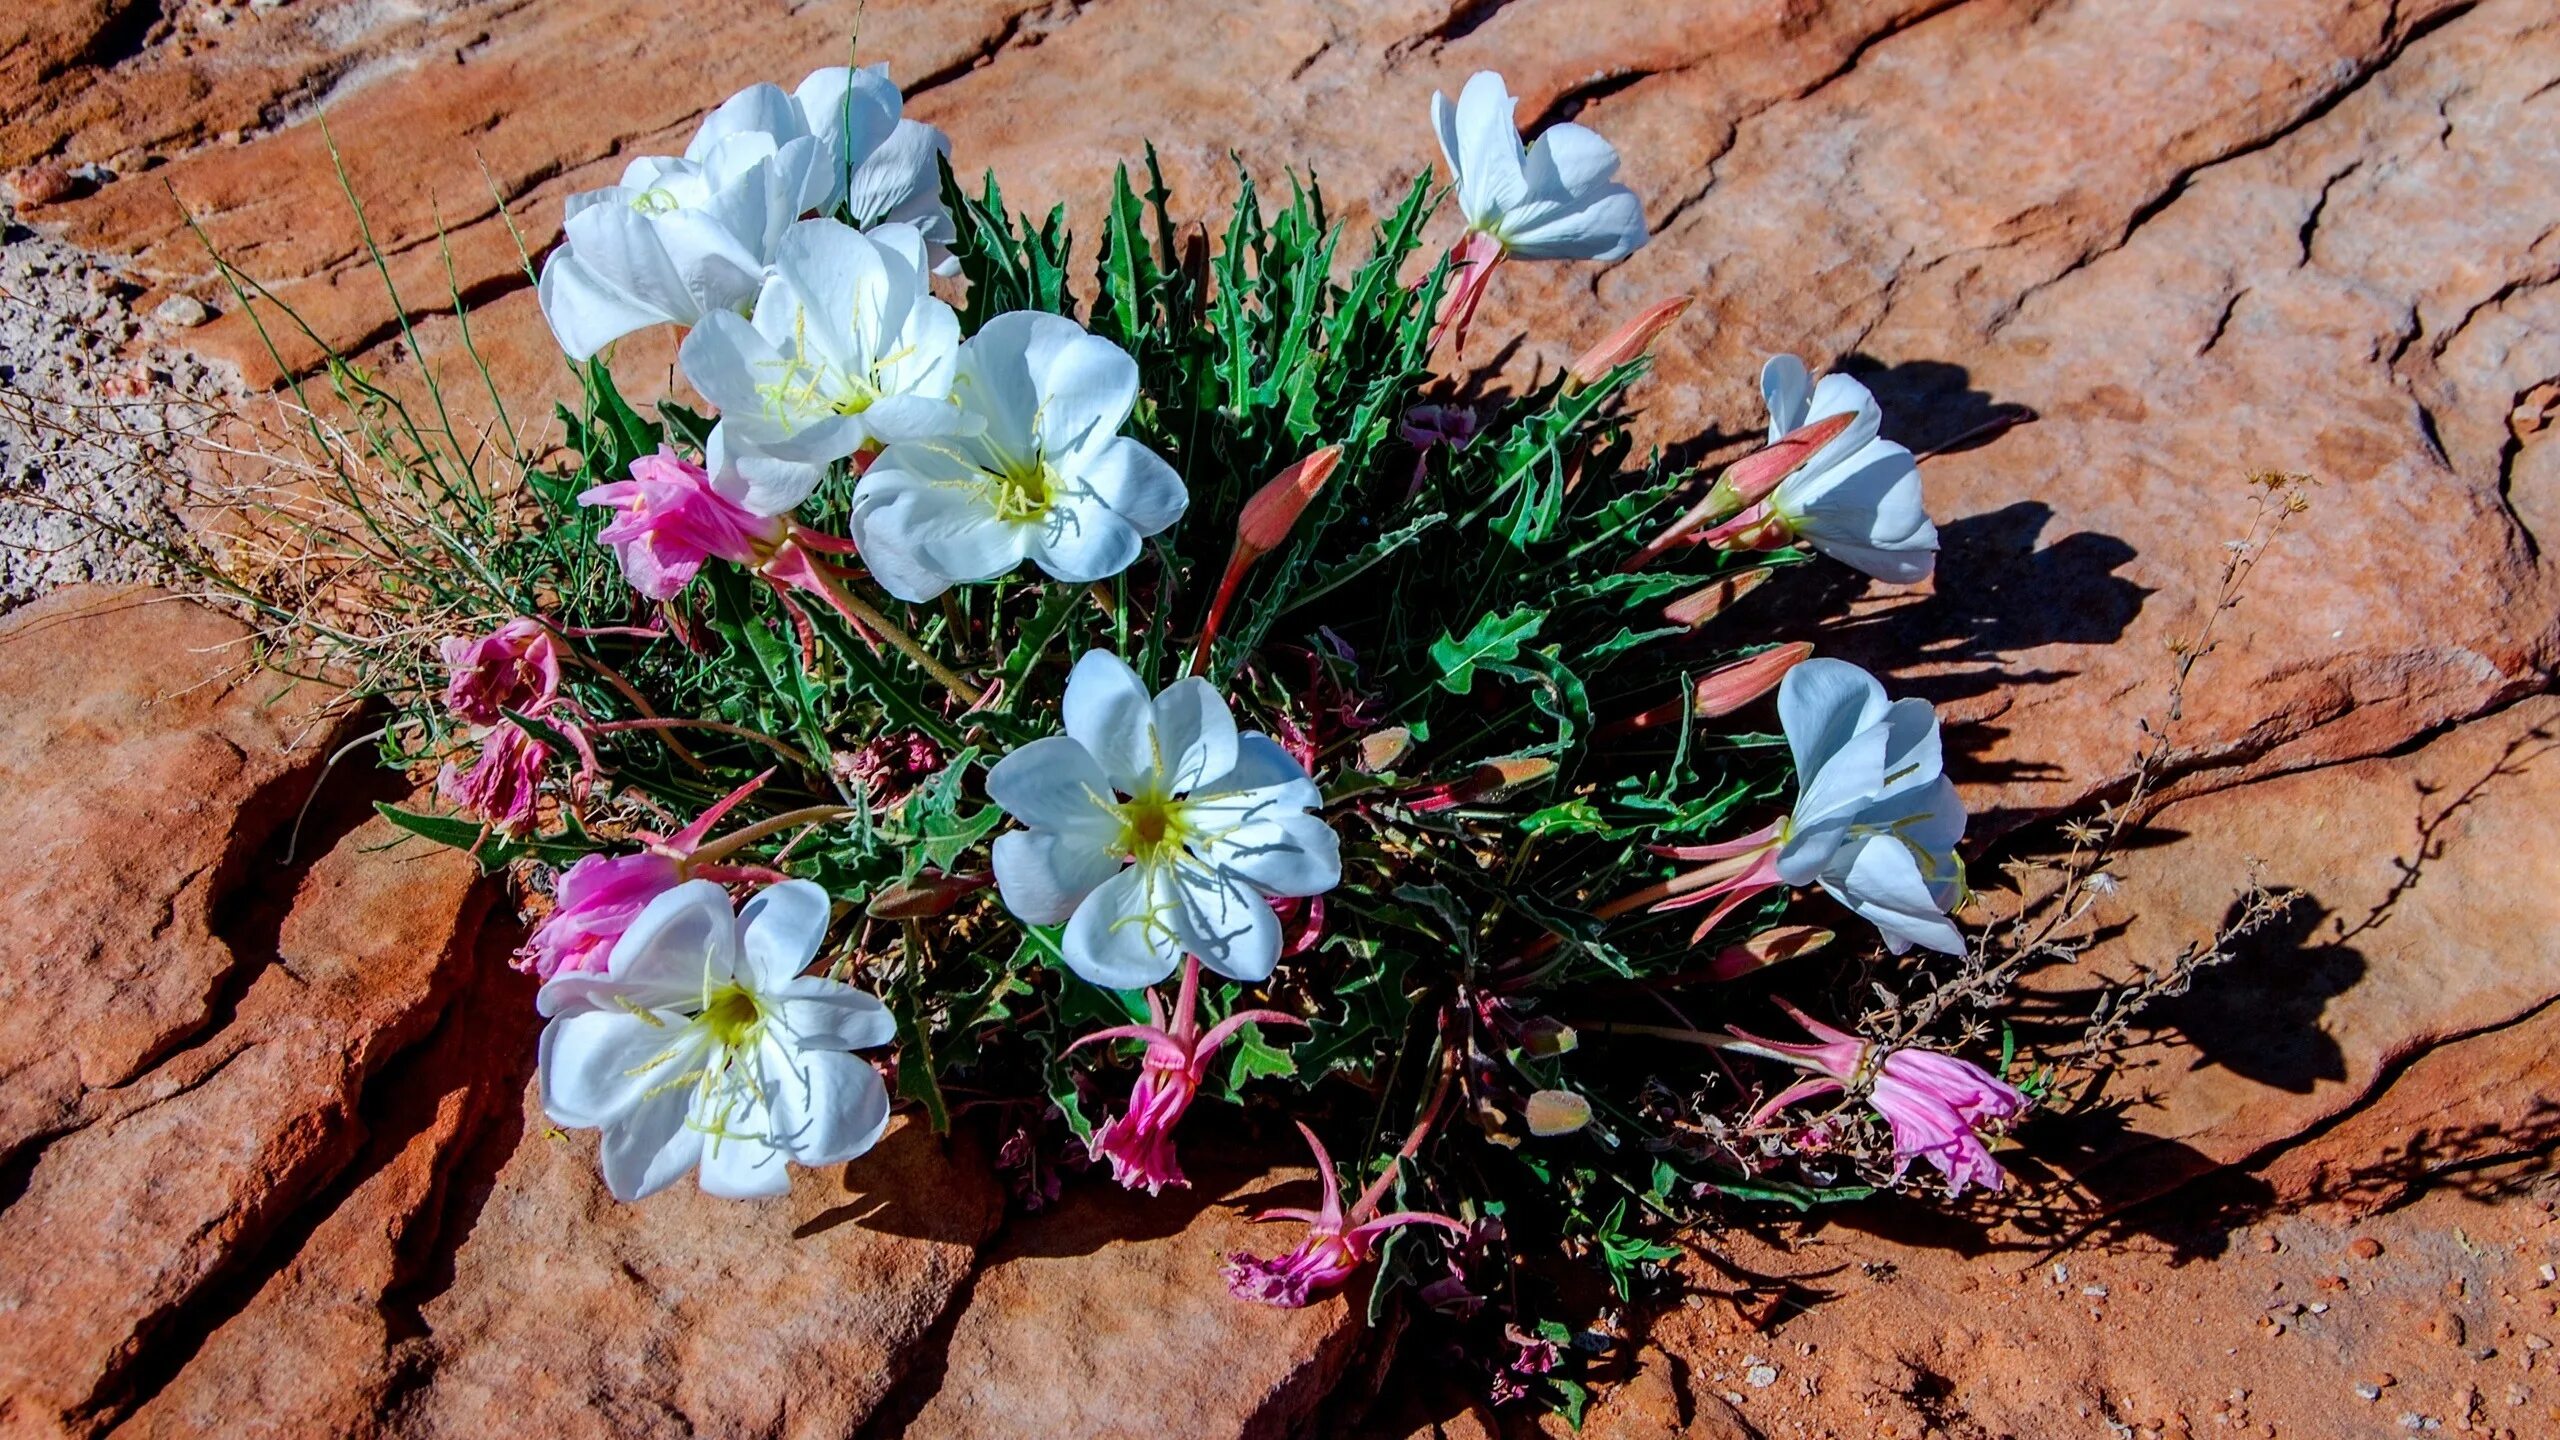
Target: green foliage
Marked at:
1470, 596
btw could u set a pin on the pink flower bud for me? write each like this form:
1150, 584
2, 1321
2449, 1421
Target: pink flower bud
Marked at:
1631, 340
1275, 508
1750, 479
671, 520
514, 667
1700, 606
1721, 692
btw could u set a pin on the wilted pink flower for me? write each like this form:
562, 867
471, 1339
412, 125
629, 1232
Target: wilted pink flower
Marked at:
671, 519
514, 667
1937, 1105
1139, 1144
1471, 264
597, 898
1337, 1243
501, 786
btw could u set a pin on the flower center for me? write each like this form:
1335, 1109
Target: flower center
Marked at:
1152, 827
732, 1016
1023, 490
657, 201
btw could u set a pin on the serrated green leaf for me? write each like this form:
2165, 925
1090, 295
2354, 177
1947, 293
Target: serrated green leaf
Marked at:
1492, 638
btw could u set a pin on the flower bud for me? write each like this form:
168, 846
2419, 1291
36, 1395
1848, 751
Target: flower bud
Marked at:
1784, 942
1724, 691
1700, 606
1749, 480
1631, 340
1275, 508
1557, 1112
927, 895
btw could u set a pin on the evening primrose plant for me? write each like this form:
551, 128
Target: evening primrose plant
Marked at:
1105, 683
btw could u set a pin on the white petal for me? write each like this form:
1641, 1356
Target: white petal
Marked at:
997, 383
651, 1148
1879, 878
826, 1106
587, 313
1136, 482
728, 363
1044, 875
1283, 853
823, 1014
1865, 512
1913, 755
902, 499
1572, 158
762, 483
1261, 764
758, 109
900, 178
1225, 922
1122, 937
684, 944
1821, 703
744, 1167
1087, 388
624, 250
780, 931
595, 1065
1490, 182
1842, 395
1606, 226
1080, 540
1849, 778
1785, 387
1055, 784
1107, 709
1195, 734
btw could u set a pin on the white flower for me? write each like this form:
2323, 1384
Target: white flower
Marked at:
1857, 499
1555, 200
703, 1044
847, 350
1042, 473
1214, 822
677, 239
1875, 821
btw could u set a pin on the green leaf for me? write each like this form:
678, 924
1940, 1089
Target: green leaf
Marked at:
1493, 637
1255, 1059
493, 851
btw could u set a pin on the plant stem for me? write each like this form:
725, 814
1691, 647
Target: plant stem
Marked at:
855, 608
739, 839
723, 726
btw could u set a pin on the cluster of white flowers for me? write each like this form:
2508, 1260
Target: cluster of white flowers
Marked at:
797, 240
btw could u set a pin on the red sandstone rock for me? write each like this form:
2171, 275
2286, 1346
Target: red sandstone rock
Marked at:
129, 714
1105, 1318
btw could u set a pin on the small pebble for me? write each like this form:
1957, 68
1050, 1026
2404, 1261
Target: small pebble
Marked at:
1760, 1377
181, 312
2368, 1392
2364, 1247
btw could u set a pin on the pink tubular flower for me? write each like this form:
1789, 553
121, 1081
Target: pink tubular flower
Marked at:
514, 667
597, 898
671, 519
1937, 1105
1471, 264
1139, 1144
1337, 1244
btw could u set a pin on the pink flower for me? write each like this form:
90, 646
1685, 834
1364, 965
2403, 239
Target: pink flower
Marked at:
1337, 1244
1426, 426
596, 899
514, 667
1937, 1105
671, 519
1139, 1144
502, 785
